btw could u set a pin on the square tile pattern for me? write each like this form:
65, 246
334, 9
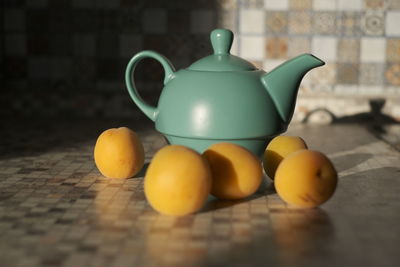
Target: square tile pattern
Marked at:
85, 45
56, 209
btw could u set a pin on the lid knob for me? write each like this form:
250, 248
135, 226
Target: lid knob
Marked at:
221, 40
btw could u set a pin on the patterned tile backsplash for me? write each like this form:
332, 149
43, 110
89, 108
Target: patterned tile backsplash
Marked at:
67, 58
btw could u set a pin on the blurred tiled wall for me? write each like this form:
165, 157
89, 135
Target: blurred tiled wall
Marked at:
358, 39
67, 57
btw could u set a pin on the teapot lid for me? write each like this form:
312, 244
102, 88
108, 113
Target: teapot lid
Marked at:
222, 60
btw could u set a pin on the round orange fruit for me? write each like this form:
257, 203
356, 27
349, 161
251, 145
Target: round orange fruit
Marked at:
306, 179
119, 153
236, 172
178, 181
279, 148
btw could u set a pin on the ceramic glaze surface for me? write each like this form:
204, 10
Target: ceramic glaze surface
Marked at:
228, 105
223, 97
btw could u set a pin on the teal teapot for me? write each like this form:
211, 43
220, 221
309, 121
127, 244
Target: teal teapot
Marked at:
223, 98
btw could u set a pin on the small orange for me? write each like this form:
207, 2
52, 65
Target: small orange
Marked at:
306, 178
118, 153
177, 181
279, 148
236, 172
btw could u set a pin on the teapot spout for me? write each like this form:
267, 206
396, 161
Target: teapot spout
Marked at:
283, 82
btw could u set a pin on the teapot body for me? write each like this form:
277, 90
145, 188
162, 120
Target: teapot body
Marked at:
199, 108
223, 98
231, 105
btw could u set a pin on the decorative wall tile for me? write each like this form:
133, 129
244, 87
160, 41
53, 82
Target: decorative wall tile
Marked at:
371, 74
109, 69
84, 71
15, 44
14, 19
299, 22
61, 67
235, 46
36, 20
130, 20
374, 4
173, 5
252, 21
349, 24
324, 23
179, 21
373, 49
392, 74
392, 23
38, 44
84, 45
325, 75
13, 3
85, 21
41, 3
60, 45
348, 50
324, 5
393, 4
251, 3
227, 19
107, 45
107, 4
202, 21
277, 47
257, 63
276, 21
300, 4
271, 64
81, 3
276, 4
324, 47
349, 5
154, 42
346, 89
252, 47
373, 23
61, 20
370, 90
306, 85
39, 68
106, 22
183, 42
226, 4
298, 45
196, 4
15, 68
201, 46
129, 44
347, 73
152, 25
393, 50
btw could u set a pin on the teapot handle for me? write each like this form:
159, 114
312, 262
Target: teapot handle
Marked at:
147, 109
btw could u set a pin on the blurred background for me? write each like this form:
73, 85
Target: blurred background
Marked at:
66, 58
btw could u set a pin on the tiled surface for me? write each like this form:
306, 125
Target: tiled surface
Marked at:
356, 38
57, 210
84, 46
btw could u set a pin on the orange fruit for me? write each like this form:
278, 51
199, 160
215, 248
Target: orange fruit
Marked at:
177, 181
306, 179
236, 172
279, 148
119, 153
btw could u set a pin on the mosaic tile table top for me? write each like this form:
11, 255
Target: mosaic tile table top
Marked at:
57, 210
